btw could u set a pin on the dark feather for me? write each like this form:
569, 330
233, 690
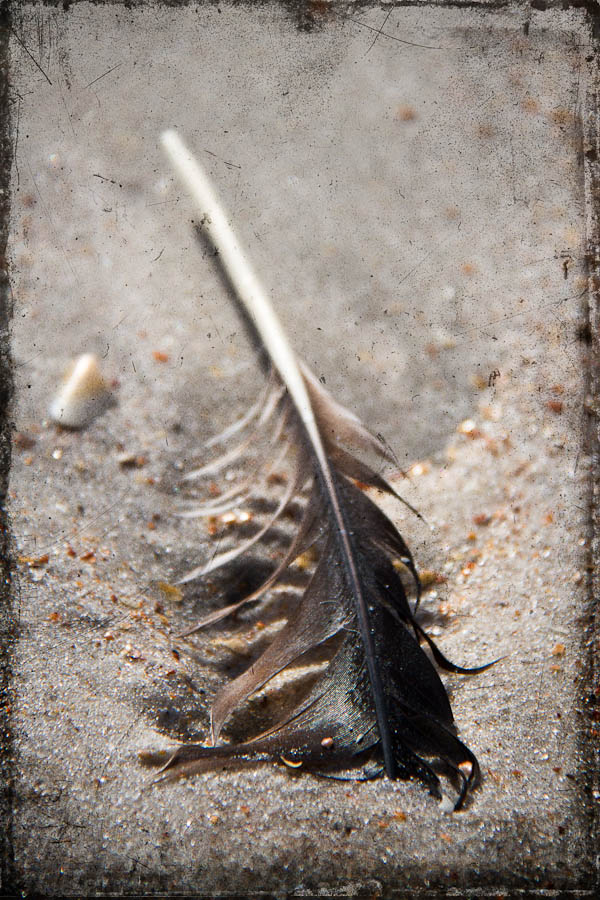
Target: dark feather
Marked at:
380, 695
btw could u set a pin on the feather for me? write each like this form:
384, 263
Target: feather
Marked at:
380, 695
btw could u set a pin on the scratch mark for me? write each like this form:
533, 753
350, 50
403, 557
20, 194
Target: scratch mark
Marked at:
138, 862
513, 177
27, 362
102, 178
122, 319
17, 142
104, 74
52, 225
379, 31
414, 269
163, 202
230, 164
76, 532
521, 312
62, 97
29, 54
159, 255
393, 37
484, 102
216, 329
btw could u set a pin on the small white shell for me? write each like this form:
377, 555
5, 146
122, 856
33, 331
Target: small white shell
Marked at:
83, 395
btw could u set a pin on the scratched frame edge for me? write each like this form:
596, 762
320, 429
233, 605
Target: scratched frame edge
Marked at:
300, 13
591, 154
7, 590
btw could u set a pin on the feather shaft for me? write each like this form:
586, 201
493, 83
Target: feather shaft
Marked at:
254, 298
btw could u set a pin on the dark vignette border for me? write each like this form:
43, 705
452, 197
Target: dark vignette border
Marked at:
7, 620
591, 152
308, 15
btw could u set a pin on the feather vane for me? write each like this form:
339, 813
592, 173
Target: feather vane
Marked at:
380, 695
